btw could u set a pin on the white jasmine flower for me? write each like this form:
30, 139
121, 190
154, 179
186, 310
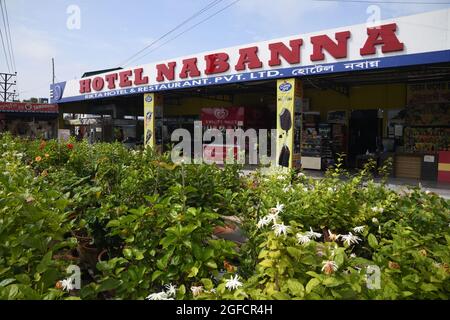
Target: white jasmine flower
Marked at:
301, 175
329, 267
287, 189
280, 229
197, 290
272, 217
212, 291
233, 283
353, 255
279, 208
67, 284
263, 222
302, 239
350, 239
359, 229
171, 290
378, 209
375, 220
332, 236
159, 296
313, 235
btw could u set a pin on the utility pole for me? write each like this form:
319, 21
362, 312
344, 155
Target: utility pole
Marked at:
53, 71
6, 85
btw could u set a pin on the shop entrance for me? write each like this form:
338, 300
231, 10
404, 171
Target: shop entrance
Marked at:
364, 137
236, 106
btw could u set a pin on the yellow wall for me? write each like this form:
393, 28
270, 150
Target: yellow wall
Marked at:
388, 96
193, 106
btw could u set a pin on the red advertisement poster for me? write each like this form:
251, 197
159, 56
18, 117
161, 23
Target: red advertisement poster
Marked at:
28, 107
223, 117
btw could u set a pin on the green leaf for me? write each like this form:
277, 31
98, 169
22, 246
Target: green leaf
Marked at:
162, 263
312, 284
45, 262
207, 254
6, 282
127, 253
197, 251
156, 275
294, 252
428, 287
266, 263
296, 287
138, 254
315, 275
207, 283
181, 292
373, 242
263, 254
109, 284
13, 292
281, 296
332, 282
193, 272
211, 264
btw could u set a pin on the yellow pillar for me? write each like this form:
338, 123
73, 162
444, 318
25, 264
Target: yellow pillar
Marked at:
153, 113
289, 105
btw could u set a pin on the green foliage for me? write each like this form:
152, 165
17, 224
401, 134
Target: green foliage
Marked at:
135, 222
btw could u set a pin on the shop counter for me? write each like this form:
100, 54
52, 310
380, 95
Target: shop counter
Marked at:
423, 166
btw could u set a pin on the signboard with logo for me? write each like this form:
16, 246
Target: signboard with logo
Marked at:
153, 120
288, 122
28, 107
412, 40
223, 117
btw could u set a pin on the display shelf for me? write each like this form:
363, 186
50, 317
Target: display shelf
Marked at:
427, 139
316, 146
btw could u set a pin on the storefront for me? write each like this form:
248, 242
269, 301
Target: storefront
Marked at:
367, 92
30, 120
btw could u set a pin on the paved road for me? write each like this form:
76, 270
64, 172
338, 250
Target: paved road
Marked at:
397, 184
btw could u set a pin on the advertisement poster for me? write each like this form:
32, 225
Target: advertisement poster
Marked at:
149, 119
287, 94
223, 117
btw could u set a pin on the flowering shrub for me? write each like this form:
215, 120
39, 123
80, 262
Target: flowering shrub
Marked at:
141, 227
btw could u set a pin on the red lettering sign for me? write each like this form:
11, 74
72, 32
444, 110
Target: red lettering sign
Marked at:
336, 50
383, 35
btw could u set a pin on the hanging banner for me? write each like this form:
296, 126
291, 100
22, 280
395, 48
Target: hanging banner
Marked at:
28, 107
285, 122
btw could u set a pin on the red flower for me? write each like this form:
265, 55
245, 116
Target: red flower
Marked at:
70, 146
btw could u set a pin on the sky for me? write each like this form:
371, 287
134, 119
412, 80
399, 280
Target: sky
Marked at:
108, 32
